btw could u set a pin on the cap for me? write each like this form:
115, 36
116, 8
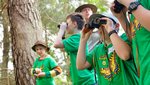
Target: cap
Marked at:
93, 7
105, 14
40, 43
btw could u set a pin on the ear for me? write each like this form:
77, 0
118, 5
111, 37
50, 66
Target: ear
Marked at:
75, 23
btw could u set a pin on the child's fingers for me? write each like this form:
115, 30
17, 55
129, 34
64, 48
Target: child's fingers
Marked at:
85, 30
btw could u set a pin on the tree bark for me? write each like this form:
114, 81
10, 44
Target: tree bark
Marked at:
26, 29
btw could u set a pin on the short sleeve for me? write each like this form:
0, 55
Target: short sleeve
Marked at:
125, 38
52, 63
35, 63
145, 4
72, 43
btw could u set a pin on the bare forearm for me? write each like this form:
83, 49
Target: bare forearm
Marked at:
122, 48
61, 33
81, 57
138, 13
58, 41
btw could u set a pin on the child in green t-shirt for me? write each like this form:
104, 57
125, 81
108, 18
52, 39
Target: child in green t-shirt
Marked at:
44, 67
111, 59
73, 26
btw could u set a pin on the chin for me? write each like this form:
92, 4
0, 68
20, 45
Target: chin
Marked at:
69, 32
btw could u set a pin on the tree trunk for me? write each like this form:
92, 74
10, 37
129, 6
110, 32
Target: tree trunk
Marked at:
26, 29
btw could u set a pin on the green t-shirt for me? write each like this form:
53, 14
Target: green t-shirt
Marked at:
79, 77
141, 46
45, 65
111, 70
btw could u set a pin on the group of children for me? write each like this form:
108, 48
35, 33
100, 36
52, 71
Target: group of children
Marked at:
112, 60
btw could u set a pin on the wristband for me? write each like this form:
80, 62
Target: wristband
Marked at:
47, 74
133, 6
112, 32
34, 72
52, 73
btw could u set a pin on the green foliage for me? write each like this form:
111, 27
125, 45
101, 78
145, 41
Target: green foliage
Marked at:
101, 4
53, 12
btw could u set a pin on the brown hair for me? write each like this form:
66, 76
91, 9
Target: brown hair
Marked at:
77, 17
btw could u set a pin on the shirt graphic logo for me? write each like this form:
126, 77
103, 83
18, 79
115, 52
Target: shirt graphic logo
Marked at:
113, 68
135, 25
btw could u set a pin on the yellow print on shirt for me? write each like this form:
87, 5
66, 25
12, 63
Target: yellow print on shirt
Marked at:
113, 68
135, 25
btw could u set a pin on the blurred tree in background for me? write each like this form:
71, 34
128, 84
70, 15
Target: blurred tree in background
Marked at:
53, 12
26, 28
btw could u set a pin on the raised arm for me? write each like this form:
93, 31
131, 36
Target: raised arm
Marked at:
58, 42
138, 13
122, 19
81, 62
121, 47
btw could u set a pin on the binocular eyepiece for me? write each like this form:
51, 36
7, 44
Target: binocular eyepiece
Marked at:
95, 23
58, 26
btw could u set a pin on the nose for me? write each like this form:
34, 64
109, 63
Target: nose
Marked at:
86, 11
37, 50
